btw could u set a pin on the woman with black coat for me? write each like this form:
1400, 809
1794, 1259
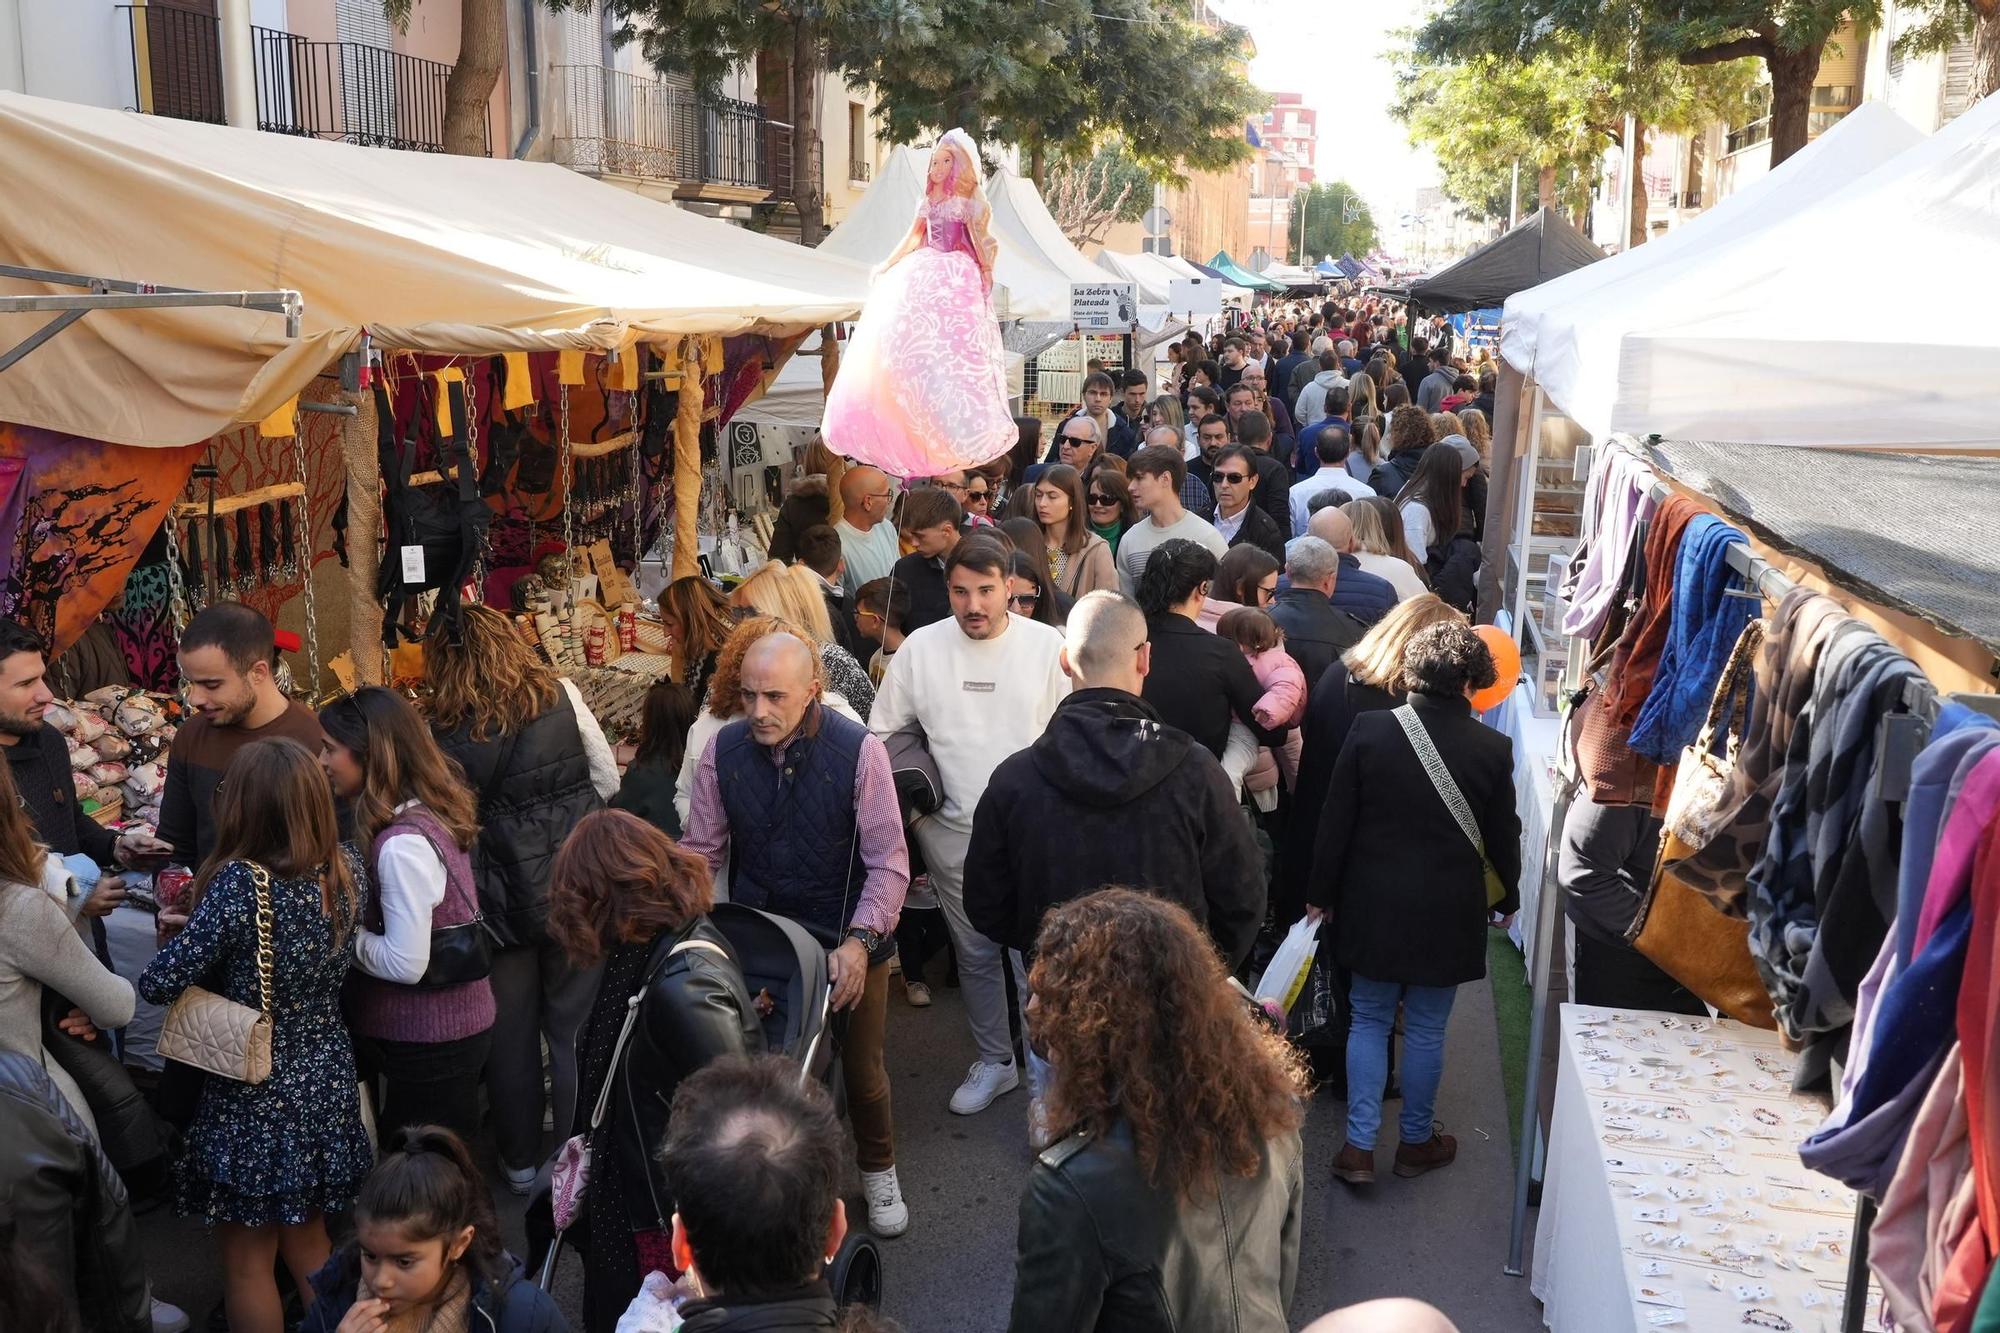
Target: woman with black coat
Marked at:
1406, 888
624, 895
1198, 681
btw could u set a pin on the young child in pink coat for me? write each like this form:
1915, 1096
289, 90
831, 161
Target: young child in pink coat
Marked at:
1283, 703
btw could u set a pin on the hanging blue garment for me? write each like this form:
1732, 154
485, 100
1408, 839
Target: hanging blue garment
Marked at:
1958, 739
1705, 625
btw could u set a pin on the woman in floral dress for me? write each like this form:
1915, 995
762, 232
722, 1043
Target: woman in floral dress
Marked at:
265, 1163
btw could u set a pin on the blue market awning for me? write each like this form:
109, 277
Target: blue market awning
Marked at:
1326, 268
1232, 271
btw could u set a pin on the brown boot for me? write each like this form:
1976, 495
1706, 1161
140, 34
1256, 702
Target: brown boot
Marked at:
1413, 1159
1354, 1165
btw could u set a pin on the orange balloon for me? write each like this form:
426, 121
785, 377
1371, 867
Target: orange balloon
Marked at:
1506, 663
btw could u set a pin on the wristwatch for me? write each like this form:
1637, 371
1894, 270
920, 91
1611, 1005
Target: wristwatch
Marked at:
870, 940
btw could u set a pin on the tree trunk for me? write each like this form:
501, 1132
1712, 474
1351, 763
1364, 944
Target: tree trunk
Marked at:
1038, 164
805, 73
1986, 49
1545, 188
1638, 185
1792, 75
482, 45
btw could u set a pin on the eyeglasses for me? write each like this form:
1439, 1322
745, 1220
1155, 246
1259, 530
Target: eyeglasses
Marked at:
1232, 478
1021, 599
952, 486
1096, 499
1078, 440
1265, 594
978, 497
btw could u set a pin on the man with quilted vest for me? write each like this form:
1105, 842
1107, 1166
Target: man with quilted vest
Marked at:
802, 804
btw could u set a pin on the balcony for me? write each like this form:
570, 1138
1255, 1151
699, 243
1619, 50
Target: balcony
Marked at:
859, 169
611, 123
347, 91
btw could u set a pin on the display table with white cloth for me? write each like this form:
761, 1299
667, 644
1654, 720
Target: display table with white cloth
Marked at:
1536, 741
1674, 1196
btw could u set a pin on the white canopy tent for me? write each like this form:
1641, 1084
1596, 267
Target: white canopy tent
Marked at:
1292, 275
796, 398
1765, 348
1146, 270
428, 252
1734, 327
1022, 221
1231, 294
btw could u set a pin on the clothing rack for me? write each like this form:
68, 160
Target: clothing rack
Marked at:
1901, 736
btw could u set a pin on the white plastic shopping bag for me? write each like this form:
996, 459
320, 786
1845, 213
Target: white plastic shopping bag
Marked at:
1285, 977
655, 1308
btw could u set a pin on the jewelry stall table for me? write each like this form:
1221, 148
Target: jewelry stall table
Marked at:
1674, 1196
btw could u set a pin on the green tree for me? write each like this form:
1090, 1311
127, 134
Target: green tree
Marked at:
1788, 36
1555, 113
482, 49
1946, 23
1336, 221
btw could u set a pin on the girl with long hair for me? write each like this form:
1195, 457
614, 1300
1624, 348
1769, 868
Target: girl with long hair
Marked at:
1472, 422
1108, 502
1380, 547
1031, 594
920, 406
791, 593
1079, 561
1175, 1196
265, 1162
427, 1251
422, 1025
40, 947
538, 762
1166, 410
648, 787
697, 618
626, 900
1432, 501
1366, 429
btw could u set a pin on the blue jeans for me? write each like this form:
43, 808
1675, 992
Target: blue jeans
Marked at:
1425, 1011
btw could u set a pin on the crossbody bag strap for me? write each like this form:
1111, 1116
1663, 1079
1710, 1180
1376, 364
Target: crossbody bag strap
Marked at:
1447, 788
632, 1016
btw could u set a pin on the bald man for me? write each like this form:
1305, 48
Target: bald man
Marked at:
1396, 1314
1367, 597
868, 543
801, 804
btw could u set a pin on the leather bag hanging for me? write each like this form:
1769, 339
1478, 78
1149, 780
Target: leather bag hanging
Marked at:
1678, 926
213, 1032
434, 540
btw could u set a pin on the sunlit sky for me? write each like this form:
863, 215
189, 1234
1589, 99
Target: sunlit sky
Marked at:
1335, 55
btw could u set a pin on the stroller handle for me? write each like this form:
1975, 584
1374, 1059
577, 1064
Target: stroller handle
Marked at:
812, 1047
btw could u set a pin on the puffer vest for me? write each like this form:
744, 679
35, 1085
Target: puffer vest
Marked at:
793, 848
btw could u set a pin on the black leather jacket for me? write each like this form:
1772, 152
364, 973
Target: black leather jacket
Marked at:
696, 1009
66, 1203
1101, 1249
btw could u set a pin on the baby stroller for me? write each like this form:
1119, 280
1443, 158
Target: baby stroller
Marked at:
786, 960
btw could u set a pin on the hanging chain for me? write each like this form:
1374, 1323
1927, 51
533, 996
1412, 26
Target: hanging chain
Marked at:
305, 538
177, 608
566, 469
471, 463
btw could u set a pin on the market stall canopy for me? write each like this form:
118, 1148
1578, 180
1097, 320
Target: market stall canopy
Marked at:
1543, 247
1291, 275
1022, 223
456, 255
796, 397
1228, 268
1755, 345
1152, 276
1350, 267
1187, 268
1568, 333
1326, 268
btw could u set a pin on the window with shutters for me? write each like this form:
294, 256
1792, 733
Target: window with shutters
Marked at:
1956, 95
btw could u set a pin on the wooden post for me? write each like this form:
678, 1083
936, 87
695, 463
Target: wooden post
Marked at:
687, 459
829, 370
364, 521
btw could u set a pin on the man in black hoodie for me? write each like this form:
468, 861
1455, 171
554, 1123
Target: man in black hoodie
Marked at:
1111, 795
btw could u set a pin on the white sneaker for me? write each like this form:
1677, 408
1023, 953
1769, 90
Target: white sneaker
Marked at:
168, 1318
520, 1180
918, 994
888, 1215
984, 1082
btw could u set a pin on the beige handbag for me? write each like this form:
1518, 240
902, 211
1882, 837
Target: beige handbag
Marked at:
215, 1033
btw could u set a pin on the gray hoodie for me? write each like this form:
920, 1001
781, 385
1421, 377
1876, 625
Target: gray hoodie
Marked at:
1312, 398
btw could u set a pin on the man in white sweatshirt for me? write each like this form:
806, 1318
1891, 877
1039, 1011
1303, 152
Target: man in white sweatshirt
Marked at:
979, 686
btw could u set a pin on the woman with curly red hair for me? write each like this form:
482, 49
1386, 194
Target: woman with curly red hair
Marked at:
624, 894
1173, 1194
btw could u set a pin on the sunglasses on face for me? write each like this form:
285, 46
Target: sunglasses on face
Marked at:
977, 497
1096, 499
1232, 478
1078, 441
1021, 599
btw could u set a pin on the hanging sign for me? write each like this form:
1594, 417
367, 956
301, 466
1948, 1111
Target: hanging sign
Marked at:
1104, 306
1194, 296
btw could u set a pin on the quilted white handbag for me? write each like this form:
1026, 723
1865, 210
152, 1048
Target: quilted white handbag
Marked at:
215, 1033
